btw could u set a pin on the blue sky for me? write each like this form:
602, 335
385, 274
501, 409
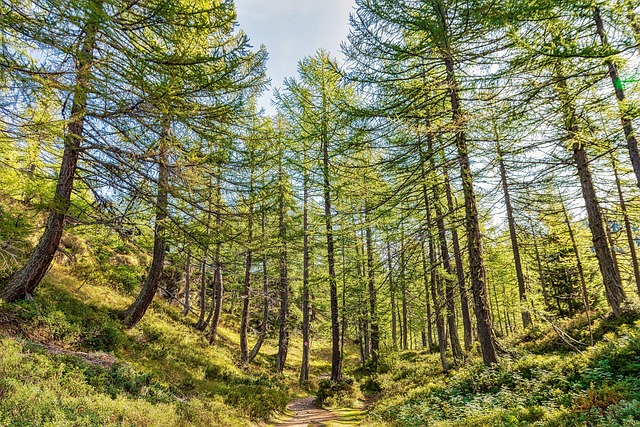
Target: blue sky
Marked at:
291, 30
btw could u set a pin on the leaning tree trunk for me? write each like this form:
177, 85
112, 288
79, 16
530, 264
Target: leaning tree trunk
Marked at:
627, 227
612, 282
524, 309
133, 314
486, 336
25, 280
627, 121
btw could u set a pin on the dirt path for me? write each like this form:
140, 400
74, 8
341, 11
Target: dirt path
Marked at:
307, 414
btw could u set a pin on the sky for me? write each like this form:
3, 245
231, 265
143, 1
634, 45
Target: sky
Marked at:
291, 30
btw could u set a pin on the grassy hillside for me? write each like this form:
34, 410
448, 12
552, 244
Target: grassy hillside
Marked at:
64, 360
541, 381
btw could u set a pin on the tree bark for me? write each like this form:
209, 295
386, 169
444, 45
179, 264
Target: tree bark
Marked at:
583, 281
627, 227
425, 277
265, 301
524, 309
306, 327
626, 120
25, 280
375, 334
486, 336
246, 293
612, 282
392, 291
457, 253
283, 337
187, 286
133, 314
218, 285
336, 371
450, 302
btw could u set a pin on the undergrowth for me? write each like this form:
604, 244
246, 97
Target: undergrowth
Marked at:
598, 386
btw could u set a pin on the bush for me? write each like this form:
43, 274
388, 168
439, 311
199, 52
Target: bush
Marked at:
336, 393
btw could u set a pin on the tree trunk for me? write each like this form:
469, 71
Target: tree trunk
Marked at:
246, 293
218, 285
392, 291
583, 281
425, 276
524, 309
265, 301
474, 238
627, 121
612, 282
201, 324
132, 315
336, 372
450, 302
187, 286
306, 336
457, 253
283, 337
403, 283
627, 227
25, 280
375, 340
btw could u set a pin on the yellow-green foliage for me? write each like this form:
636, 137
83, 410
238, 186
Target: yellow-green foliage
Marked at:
599, 387
166, 373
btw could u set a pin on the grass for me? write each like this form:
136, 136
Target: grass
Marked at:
166, 374
598, 387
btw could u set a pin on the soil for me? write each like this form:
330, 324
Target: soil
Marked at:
307, 414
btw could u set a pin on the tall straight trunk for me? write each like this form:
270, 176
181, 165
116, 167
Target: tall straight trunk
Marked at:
187, 285
457, 254
524, 308
375, 330
450, 302
403, 283
283, 336
583, 281
436, 296
336, 371
265, 300
364, 311
543, 285
304, 368
392, 291
626, 120
133, 314
612, 282
25, 280
218, 285
612, 244
627, 227
425, 277
201, 324
486, 336
246, 292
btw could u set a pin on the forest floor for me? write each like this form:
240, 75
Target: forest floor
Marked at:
306, 413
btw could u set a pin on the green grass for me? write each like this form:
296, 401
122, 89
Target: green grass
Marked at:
166, 374
599, 387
